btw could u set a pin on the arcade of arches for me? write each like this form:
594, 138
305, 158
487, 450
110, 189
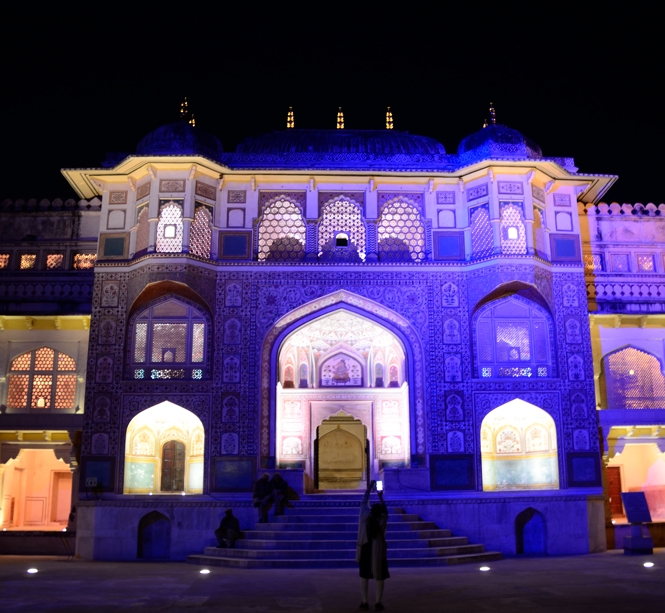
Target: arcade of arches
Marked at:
342, 382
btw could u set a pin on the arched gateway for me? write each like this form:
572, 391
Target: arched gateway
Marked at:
344, 382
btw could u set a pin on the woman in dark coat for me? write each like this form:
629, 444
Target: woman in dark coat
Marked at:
371, 548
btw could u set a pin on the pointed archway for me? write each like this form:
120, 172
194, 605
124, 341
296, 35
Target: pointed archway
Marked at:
342, 365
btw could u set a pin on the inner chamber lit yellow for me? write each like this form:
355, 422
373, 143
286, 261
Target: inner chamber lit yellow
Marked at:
519, 448
164, 451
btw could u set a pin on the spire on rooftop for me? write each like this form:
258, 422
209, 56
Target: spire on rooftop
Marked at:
290, 122
185, 115
340, 119
389, 119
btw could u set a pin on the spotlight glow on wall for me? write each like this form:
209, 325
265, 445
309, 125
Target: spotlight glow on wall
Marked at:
32, 571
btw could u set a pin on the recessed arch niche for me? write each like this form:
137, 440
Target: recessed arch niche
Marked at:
519, 448
164, 447
342, 359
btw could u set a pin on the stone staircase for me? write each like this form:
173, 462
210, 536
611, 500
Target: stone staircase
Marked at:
324, 536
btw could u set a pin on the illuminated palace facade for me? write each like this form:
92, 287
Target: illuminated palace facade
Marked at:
336, 305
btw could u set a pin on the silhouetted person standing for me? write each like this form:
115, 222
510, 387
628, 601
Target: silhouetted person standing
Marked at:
371, 549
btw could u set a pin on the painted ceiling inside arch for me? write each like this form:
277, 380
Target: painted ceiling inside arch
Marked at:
164, 416
343, 327
517, 413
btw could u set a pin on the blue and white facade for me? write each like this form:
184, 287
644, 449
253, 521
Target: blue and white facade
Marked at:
243, 302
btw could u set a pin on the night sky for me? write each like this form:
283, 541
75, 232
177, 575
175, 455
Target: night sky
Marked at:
80, 82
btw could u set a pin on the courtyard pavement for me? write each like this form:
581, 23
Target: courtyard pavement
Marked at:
607, 582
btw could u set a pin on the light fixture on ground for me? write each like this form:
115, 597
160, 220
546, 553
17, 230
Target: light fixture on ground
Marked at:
205, 571
648, 564
32, 571
484, 568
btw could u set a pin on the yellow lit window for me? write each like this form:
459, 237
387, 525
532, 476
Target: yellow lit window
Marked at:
28, 261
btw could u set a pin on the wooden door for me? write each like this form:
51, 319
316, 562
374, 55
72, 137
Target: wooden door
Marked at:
173, 467
614, 490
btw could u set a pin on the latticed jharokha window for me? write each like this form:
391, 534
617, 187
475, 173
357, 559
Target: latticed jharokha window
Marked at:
200, 234
55, 261
593, 262
169, 342
513, 340
28, 261
142, 228
482, 239
169, 227
4, 260
539, 236
401, 233
342, 215
85, 261
513, 233
282, 232
633, 380
42, 379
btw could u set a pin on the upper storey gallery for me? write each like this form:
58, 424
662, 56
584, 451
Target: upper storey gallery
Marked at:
354, 196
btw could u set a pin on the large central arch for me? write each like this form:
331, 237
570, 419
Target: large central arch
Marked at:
354, 305
341, 383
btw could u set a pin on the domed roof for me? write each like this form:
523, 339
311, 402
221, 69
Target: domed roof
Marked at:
375, 142
179, 138
497, 141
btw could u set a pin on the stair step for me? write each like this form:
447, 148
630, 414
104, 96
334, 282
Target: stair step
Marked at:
274, 526
339, 563
337, 535
452, 541
345, 518
341, 554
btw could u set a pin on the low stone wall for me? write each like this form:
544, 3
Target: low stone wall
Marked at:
33, 543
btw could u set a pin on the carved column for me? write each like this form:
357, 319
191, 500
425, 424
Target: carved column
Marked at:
311, 246
371, 242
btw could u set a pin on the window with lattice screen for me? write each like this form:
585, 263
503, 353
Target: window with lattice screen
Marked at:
282, 233
142, 229
513, 233
539, 236
85, 261
633, 380
401, 233
42, 380
340, 215
169, 342
200, 233
482, 238
169, 227
512, 339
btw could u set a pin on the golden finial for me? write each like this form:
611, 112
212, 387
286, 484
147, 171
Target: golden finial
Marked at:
484, 123
290, 123
185, 115
340, 119
389, 119
492, 113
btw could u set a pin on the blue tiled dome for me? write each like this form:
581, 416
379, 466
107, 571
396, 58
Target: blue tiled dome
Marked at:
497, 141
180, 138
374, 142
